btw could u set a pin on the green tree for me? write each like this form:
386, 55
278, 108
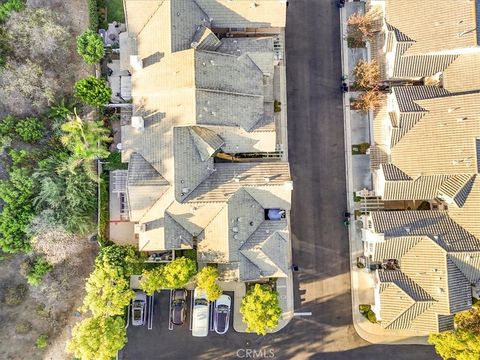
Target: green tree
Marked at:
39, 268
459, 345
123, 259
90, 47
86, 140
260, 309
177, 273
70, 197
93, 91
30, 129
98, 338
152, 280
207, 280
107, 292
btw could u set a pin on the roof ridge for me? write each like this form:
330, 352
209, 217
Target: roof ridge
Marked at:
228, 92
150, 18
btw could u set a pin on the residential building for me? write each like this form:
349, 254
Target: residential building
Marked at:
206, 163
425, 157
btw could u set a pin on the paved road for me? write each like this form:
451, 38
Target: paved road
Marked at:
320, 245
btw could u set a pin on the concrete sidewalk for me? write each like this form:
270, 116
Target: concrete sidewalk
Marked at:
357, 130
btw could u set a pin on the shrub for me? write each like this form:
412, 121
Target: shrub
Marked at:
17, 193
114, 162
40, 268
371, 317
277, 106
7, 125
10, 5
23, 327
15, 295
90, 47
93, 91
30, 129
42, 341
93, 14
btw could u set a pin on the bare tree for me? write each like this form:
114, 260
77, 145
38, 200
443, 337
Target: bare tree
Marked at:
368, 100
362, 27
367, 74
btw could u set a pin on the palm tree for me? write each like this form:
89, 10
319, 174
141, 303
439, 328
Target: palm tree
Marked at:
86, 140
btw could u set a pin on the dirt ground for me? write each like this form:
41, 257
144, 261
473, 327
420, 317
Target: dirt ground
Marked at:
50, 308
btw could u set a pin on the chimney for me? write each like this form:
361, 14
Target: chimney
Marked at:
135, 62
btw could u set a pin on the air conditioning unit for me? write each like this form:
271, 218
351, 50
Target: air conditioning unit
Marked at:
138, 122
139, 228
136, 62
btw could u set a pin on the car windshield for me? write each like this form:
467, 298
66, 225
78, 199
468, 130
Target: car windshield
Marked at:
201, 302
178, 302
137, 314
222, 309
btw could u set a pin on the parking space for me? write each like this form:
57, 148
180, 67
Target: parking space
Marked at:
158, 323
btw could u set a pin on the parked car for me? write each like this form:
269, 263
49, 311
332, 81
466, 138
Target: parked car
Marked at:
221, 315
178, 306
201, 312
138, 308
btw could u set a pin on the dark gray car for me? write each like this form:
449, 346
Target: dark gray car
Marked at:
178, 306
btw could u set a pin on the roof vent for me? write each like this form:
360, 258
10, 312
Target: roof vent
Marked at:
235, 229
407, 229
450, 110
185, 190
136, 62
138, 122
288, 185
235, 236
194, 44
239, 219
266, 179
139, 228
462, 119
253, 5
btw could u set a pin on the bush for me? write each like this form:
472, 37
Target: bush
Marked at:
10, 5
7, 125
93, 15
40, 268
42, 341
114, 162
18, 210
30, 129
371, 317
369, 100
277, 106
90, 47
93, 91
15, 295
23, 327
364, 308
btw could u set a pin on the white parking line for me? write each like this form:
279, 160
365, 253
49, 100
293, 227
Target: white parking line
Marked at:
212, 307
191, 311
128, 315
150, 312
170, 325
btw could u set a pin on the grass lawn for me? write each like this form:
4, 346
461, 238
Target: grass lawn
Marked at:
115, 10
